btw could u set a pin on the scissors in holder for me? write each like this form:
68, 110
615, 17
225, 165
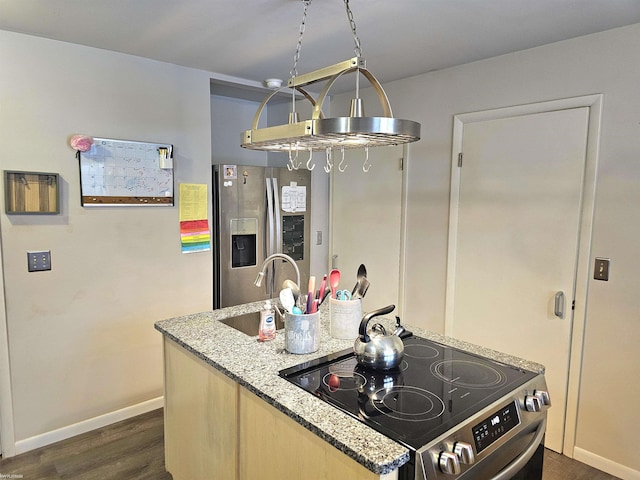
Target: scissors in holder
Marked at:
343, 295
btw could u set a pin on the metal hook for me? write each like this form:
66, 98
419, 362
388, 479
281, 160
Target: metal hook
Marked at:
310, 168
291, 165
342, 161
329, 165
366, 160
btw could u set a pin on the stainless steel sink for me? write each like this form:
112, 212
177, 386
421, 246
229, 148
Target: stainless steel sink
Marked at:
249, 323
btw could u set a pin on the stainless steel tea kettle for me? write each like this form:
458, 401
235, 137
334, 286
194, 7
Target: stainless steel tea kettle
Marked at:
377, 349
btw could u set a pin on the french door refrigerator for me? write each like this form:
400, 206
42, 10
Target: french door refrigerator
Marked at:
258, 211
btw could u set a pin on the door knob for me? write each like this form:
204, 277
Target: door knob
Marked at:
558, 309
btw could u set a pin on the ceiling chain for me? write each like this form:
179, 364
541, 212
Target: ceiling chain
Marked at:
352, 23
357, 49
296, 57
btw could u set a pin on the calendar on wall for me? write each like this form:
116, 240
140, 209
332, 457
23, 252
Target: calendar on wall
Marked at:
120, 172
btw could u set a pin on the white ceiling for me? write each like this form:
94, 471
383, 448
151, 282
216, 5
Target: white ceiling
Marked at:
256, 39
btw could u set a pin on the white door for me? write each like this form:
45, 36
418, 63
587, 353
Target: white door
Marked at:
516, 246
366, 219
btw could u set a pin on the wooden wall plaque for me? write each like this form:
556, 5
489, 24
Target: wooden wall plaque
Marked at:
31, 193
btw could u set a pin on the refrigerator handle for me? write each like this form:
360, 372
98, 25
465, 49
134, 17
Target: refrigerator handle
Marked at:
270, 274
277, 219
270, 226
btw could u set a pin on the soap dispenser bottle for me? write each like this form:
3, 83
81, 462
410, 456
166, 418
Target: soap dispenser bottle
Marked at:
267, 330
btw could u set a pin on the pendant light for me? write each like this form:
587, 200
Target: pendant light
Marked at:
326, 134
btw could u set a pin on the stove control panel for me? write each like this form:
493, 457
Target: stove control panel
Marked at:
473, 442
497, 425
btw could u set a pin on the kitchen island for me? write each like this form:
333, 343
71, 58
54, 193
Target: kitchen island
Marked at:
228, 414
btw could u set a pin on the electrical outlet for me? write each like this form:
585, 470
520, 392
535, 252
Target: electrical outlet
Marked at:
601, 269
39, 261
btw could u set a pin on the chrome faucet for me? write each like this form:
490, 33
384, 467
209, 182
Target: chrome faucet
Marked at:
270, 258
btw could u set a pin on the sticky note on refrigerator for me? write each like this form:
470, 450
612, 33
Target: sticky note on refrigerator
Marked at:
294, 198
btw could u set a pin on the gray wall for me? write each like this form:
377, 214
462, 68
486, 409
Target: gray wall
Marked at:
81, 337
229, 117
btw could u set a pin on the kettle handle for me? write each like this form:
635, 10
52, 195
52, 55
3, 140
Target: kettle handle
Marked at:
365, 320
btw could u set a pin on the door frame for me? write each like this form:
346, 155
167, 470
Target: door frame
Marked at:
7, 437
583, 262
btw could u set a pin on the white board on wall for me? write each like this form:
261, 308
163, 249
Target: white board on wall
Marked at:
120, 172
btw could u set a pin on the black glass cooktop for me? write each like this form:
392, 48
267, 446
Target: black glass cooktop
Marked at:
434, 388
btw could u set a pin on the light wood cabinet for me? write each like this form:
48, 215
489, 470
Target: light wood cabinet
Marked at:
200, 428
274, 447
216, 429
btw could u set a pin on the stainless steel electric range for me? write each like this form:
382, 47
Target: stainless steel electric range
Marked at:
461, 415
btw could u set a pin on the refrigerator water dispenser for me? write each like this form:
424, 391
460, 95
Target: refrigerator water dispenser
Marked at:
244, 232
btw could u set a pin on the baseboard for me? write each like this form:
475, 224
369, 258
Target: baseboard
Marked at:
47, 438
604, 464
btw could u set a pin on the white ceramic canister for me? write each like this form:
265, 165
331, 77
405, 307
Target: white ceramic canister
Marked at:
302, 332
344, 318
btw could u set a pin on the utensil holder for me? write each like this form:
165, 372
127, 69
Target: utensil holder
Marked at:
344, 318
302, 332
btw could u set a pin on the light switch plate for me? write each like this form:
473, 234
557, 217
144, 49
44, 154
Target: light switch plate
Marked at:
39, 261
601, 269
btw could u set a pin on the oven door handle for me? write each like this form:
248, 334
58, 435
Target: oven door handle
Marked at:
517, 465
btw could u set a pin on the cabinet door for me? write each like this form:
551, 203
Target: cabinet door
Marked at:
200, 418
274, 447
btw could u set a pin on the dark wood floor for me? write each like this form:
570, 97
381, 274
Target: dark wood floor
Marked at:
134, 450
559, 467
131, 449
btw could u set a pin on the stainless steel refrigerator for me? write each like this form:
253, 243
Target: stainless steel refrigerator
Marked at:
258, 211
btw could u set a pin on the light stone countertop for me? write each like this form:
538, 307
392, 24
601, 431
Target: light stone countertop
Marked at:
255, 366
